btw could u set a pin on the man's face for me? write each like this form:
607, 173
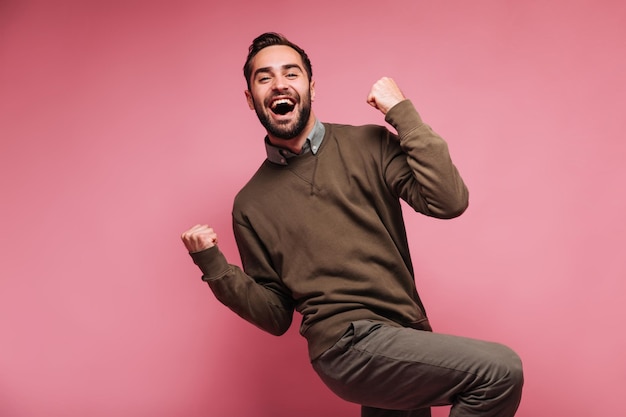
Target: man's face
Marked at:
280, 91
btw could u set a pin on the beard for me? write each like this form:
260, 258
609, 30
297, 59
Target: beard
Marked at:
289, 129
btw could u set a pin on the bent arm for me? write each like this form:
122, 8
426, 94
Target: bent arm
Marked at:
260, 301
423, 175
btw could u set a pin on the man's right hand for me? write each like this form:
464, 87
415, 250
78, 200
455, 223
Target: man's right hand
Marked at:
199, 238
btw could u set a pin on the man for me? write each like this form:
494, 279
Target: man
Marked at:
319, 229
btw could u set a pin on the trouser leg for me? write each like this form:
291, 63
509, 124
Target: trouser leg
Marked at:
394, 368
381, 412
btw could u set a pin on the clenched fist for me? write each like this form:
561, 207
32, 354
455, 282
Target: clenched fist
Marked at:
385, 94
199, 238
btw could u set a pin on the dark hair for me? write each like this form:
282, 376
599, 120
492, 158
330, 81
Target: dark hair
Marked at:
271, 39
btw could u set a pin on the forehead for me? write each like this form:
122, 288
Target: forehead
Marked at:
276, 56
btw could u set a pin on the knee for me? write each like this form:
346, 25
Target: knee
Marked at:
509, 369
499, 389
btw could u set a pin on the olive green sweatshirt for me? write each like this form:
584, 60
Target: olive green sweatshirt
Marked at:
324, 234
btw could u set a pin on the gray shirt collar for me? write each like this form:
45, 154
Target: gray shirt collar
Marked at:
313, 142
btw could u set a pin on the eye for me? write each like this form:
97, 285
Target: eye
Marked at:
263, 79
292, 75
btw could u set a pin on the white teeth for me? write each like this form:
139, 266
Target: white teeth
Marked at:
281, 101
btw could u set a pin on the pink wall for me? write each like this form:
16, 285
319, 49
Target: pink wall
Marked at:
121, 126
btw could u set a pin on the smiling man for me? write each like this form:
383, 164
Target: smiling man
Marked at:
280, 90
320, 230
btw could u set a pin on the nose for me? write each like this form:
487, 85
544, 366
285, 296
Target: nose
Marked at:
280, 83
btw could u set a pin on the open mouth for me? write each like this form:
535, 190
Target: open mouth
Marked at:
282, 106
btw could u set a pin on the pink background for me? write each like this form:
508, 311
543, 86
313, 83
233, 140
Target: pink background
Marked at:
124, 123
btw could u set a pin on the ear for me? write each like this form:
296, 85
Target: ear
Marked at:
312, 88
249, 99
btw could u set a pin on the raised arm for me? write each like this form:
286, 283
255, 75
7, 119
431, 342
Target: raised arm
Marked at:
423, 174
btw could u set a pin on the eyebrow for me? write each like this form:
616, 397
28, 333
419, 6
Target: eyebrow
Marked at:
284, 67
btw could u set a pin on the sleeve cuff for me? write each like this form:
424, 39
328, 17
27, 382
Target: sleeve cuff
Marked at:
211, 262
404, 117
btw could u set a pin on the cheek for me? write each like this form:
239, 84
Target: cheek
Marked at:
254, 98
259, 95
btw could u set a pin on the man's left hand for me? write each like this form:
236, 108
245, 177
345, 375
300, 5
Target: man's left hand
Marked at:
385, 94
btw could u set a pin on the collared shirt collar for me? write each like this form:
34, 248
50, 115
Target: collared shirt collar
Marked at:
313, 142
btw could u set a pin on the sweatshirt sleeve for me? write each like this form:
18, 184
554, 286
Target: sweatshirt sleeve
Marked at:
423, 174
262, 303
